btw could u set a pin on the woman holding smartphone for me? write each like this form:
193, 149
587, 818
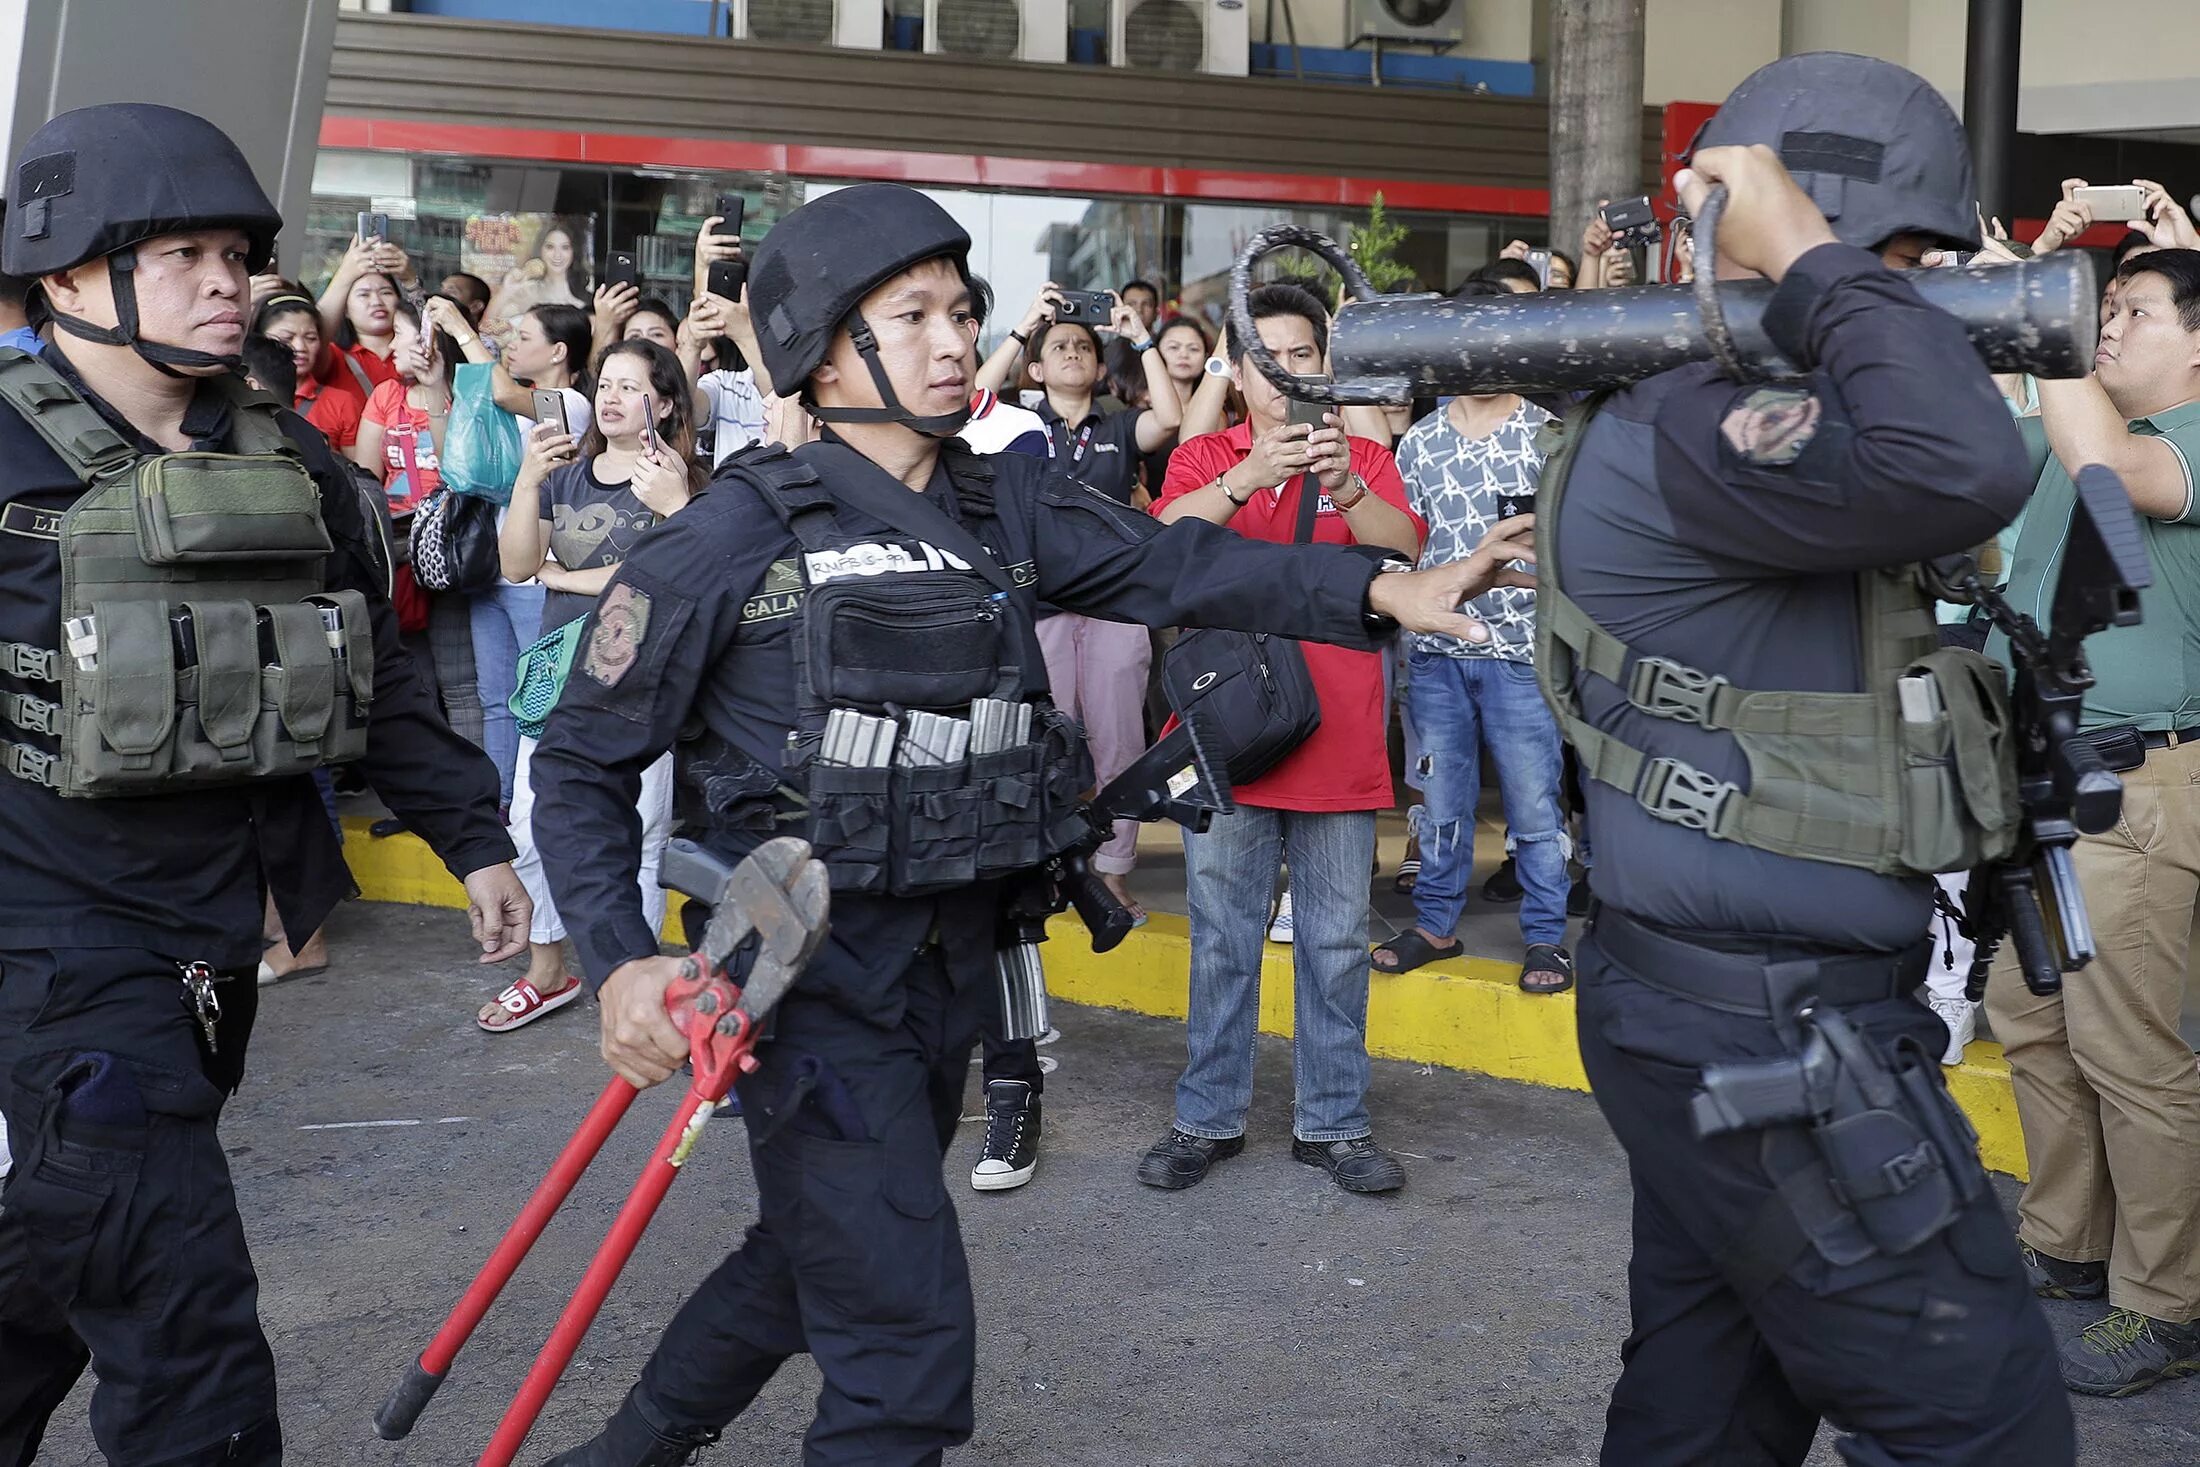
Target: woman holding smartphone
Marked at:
576, 511
401, 433
543, 367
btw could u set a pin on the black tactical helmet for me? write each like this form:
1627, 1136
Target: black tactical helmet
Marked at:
817, 265
99, 180
1878, 150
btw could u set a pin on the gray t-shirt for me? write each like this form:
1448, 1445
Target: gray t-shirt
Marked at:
591, 524
1455, 483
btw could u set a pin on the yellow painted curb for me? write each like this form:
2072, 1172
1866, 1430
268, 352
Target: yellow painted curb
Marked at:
1464, 1013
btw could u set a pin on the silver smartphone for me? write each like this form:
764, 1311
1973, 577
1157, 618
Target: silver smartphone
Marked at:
2113, 203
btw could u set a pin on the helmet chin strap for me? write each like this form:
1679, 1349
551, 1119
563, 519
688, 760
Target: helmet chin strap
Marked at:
121, 273
938, 425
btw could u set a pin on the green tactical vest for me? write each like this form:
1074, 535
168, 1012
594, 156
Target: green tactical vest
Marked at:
1838, 777
200, 645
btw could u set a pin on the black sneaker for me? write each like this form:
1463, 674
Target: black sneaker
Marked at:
629, 1439
1011, 1151
1503, 887
1179, 1160
2056, 1278
2127, 1352
1549, 969
1358, 1165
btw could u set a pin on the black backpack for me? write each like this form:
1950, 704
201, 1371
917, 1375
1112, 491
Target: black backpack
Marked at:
1255, 697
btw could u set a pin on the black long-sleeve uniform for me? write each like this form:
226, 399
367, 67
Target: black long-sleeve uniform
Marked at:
855, 1257
1722, 525
120, 1237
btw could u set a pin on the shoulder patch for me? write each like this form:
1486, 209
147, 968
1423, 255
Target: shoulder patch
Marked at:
1772, 426
622, 623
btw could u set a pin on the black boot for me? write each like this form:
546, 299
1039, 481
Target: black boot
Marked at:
634, 1439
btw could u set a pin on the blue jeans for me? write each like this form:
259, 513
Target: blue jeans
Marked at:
507, 621
1461, 704
1230, 875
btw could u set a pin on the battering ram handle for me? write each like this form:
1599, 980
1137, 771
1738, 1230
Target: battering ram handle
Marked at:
1336, 393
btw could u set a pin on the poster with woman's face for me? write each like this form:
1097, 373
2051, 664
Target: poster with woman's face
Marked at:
529, 260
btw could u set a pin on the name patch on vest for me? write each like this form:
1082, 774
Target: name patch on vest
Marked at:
31, 522
872, 559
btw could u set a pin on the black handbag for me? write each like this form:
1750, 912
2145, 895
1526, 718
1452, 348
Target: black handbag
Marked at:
454, 543
1255, 697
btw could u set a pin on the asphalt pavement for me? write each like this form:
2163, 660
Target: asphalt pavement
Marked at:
382, 1143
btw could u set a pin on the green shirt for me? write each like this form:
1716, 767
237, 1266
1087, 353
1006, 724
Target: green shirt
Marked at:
2147, 676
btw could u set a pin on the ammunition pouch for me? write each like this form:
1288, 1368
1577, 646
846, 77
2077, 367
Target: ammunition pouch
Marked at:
909, 640
200, 645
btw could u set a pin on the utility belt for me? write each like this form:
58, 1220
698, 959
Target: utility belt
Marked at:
1868, 1152
1753, 983
921, 764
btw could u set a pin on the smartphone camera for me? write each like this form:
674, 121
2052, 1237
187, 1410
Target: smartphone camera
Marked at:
374, 226
726, 278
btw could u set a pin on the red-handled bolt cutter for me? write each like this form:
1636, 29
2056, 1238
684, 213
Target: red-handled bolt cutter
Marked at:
778, 895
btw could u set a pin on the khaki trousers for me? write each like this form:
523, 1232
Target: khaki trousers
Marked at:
2105, 1084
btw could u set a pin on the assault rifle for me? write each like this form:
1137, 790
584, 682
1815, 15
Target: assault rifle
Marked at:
2065, 787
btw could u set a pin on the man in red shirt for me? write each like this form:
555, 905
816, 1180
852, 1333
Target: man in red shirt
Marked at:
1316, 808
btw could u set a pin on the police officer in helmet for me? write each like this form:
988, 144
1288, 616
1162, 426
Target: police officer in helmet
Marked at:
885, 572
197, 617
1727, 608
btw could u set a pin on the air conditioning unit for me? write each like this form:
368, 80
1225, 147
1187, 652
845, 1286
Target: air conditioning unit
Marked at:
858, 24
1000, 30
1442, 22
1180, 35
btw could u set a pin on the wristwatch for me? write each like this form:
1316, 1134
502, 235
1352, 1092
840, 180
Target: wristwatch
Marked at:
1356, 484
1373, 622
1144, 346
1223, 484
1217, 367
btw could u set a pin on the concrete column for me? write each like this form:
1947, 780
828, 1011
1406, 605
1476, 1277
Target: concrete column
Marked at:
257, 68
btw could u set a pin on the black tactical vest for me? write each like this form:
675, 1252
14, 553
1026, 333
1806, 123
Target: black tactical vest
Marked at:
910, 768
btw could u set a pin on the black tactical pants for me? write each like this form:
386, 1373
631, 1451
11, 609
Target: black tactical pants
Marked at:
856, 1257
119, 1237
1940, 1356
1011, 1059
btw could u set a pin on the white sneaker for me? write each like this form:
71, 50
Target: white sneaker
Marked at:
1279, 930
1961, 1017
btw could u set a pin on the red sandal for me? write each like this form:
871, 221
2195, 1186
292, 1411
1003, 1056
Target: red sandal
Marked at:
523, 1003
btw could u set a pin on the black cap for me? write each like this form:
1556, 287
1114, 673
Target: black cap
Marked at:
100, 179
820, 261
1877, 148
